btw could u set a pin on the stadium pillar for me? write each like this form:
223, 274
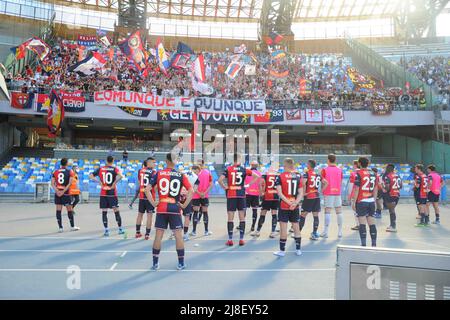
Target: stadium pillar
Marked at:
132, 16
166, 131
276, 17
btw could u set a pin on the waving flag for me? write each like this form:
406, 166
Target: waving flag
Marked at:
278, 54
198, 77
161, 57
241, 49
233, 69
106, 41
184, 48
39, 47
133, 48
199, 68
273, 38
180, 60
55, 114
90, 65
19, 51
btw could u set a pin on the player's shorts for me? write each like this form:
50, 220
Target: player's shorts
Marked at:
289, 215
332, 201
311, 205
390, 199
252, 201
364, 209
145, 206
420, 201
432, 197
164, 220
234, 204
270, 205
200, 202
107, 202
416, 195
64, 200
188, 210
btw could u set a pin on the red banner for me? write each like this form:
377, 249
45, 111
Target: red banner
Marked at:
21, 100
73, 101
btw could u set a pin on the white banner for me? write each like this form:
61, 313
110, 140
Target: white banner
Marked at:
250, 70
327, 117
313, 116
201, 104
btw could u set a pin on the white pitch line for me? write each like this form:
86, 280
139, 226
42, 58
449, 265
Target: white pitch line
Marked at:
209, 239
113, 267
172, 270
149, 251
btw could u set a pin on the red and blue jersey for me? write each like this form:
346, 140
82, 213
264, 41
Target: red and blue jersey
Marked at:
236, 180
312, 181
144, 176
169, 184
393, 183
107, 176
422, 185
290, 183
62, 177
270, 189
366, 180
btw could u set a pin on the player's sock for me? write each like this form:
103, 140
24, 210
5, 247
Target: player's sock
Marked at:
206, 220
422, 218
298, 243
393, 219
230, 226
147, 231
315, 223
339, 221
59, 218
427, 219
261, 222
185, 230
274, 222
118, 219
194, 221
200, 214
363, 234
373, 234
437, 216
327, 222
156, 255
254, 217
71, 219
180, 253
138, 228
302, 222
241, 229
105, 219
283, 244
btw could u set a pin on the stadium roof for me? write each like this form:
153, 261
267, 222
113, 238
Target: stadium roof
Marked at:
250, 10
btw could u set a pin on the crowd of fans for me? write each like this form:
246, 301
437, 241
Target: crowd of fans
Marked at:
277, 80
435, 71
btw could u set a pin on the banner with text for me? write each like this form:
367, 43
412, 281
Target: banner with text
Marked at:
200, 104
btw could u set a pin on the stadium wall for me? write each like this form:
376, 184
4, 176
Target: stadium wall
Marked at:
8, 137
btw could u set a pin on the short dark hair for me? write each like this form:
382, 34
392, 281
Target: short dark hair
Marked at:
332, 158
64, 162
169, 157
312, 163
375, 170
419, 166
110, 159
390, 167
432, 167
144, 164
195, 167
150, 158
363, 162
